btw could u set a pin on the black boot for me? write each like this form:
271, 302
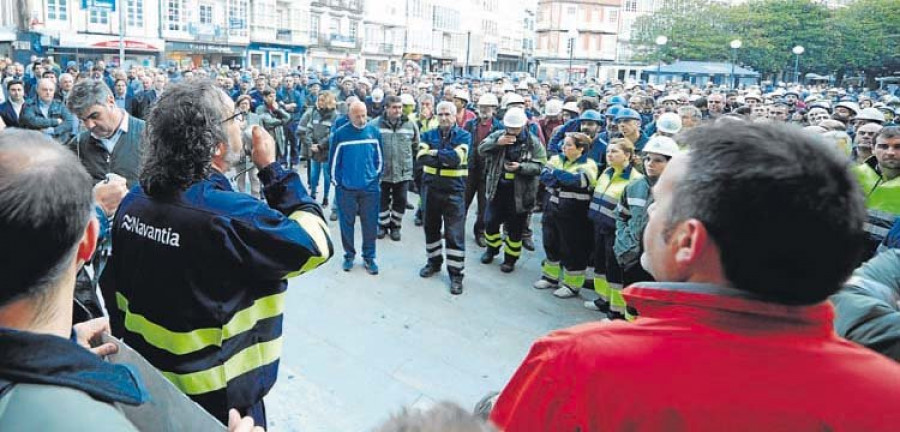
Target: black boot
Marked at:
528, 243
382, 232
395, 234
488, 256
456, 285
480, 240
430, 269
418, 219
509, 264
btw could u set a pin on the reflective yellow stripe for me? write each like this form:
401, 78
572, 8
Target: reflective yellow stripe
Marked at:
462, 151
509, 176
217, 378
550, 270
316, 228
180, 343
446, 172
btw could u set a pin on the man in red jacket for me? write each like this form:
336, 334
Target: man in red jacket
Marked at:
751, 232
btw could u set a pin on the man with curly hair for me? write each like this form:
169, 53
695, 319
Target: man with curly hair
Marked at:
198, 277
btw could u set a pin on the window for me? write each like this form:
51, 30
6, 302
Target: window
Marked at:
237, 16
57, 10
174, 15
335, 27
314, 28
353, 30
630, 5
135, 13
586, 42
206, 13
613, 16
572, 10
99, 15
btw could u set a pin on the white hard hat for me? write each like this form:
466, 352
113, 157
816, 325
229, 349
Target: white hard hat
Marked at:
522, 85
661, 145
407, 99
515, 118
462, 94
507, 87
377, 95
364, 81
511, 98
488, 100
871, 114
852, 106
669, 123
571, 107
554, 107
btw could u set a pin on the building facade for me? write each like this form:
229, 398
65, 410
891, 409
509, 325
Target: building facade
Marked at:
335, 41
575, 37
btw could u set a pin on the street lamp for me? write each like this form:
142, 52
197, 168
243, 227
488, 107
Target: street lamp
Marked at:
661, 41
572, 34
735, 45
797, 51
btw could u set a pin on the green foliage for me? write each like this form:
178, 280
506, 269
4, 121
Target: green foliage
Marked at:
861, 37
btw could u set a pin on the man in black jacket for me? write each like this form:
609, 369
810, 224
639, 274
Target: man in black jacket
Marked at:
112, 142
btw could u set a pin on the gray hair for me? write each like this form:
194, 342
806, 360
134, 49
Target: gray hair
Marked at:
889, 132
426, 97
445, 104
690, 111
87, 93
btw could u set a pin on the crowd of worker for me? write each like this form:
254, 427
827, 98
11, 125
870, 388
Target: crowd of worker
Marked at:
242, 203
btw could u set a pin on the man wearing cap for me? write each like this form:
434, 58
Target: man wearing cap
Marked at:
629, 124
443, 153
461, 100
375, 103
486, 124
256, 95
513, 159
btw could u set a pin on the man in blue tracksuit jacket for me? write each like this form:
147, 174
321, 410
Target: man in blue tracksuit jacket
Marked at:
197, 278
356, 155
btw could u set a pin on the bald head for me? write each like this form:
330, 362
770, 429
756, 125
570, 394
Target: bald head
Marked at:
46, 89
46, 203
357, 114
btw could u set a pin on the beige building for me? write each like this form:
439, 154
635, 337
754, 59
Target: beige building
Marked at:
575, 37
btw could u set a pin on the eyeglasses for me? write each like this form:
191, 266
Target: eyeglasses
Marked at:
238, 116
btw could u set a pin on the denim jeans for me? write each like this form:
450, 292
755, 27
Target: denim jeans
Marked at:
316, 168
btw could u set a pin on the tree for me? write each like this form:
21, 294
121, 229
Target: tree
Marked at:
697, 30
868, 33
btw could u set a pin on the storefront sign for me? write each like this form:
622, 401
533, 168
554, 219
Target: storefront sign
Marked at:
129, 44
202, 48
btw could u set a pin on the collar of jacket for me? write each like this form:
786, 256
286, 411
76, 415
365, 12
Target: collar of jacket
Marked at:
728, 308
219, 180
51, 360
872, 162
626, 173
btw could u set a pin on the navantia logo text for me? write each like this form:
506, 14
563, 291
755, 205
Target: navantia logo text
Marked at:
159, 235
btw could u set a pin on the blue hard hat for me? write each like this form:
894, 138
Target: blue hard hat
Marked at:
627, 114
591, 115
613, 110
313, 81
618, 100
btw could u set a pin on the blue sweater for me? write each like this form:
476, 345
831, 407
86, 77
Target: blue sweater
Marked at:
356, 157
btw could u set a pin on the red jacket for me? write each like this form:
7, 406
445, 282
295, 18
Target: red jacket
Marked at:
702, 358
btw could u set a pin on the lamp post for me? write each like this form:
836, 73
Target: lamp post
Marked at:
661, 41
798, 50
572, 34
735, 45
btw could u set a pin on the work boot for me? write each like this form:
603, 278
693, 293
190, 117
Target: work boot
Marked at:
508, 265
348, 264
543, 284
395, 234
613, 315
371, 267
382, 232
409, 206
488, 256
418, 219
429, 270
480, 240
527, 243
597, 305
333, 216
565, 292
324, 201
456, 285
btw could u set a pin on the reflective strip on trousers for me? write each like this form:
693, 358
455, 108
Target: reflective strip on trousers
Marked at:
574, 279
181, 343
216, 378
616, 301
550, 271
513, 249
601, 286
509, 176
493, 240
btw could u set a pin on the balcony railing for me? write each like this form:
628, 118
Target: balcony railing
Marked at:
284, 35
208, 32
335, 41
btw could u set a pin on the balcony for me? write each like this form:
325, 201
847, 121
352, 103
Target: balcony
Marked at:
335, 41
284, 35
348, 5
208, 32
